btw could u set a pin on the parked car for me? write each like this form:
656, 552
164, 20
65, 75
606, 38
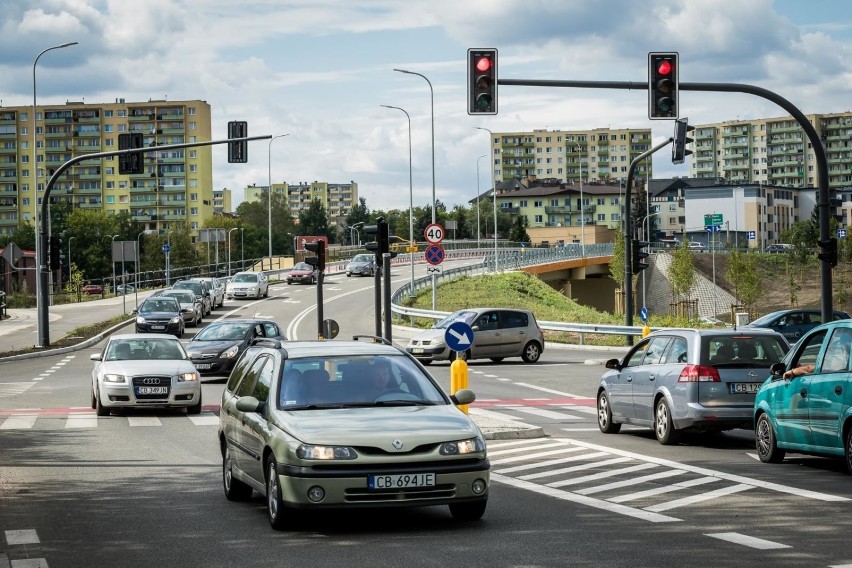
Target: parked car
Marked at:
158, 314
201, 291
695, 246
191, 307
805, 412
497, 333
92, 289
362, 265
792, 324
217, 290
144, 370
778, 247
305, 428
215, 349
125, 289
302, 273
688, 379
248, 285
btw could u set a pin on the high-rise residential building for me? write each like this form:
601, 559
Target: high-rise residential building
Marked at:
222, 201
337, 198
176, 185
773, 151
600, 155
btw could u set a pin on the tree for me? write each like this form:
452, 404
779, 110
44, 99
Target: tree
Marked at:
682, 271
23, 236
616, 265
743, 276
314, 221
518, 233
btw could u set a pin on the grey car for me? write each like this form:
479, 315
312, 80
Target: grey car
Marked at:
794, 323
362, 265
497, 333
191, 307
217, 290
688, 379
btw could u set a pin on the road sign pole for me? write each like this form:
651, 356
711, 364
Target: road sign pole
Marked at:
386, 258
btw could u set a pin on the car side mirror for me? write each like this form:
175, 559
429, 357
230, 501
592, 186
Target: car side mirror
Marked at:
195, 356
135, 310
613, 364
95, 357
249, 404
463, 396
777, 370
474, 327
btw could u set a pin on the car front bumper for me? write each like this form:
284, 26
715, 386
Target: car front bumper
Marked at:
157, 328
180, 394
439, 353
214, 366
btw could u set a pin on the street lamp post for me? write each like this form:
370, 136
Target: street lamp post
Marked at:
242, 251
42, 272
270, 196
477, 199
411, 203
112, 261
138, 265
434, 213
582, 206
229, 248
494, 190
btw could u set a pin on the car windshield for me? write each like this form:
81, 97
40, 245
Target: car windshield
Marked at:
223, 332
159, 305
362, 258
245, 278
465, 316
303, 266
135, 349
355, 380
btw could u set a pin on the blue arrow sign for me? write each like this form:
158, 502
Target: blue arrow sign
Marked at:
643, 314
841, 233
752, 235
459, 336
166, 248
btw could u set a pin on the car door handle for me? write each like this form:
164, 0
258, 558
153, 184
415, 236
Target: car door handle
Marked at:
838, 390
804, 393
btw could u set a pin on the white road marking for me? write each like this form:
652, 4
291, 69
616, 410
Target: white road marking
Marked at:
664, 489
143, 421
544, 413
632, 481
206, 419
526, 449
602, 474
19, 422
80, 420
540, 464
24, 536
750, 541
699, 498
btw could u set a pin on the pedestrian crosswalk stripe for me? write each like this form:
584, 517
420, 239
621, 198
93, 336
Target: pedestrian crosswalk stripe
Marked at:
19, 422
665, 489
80, 420
691, 500
208, 419
525, 450
544, 413
550, 453
573, 469
632, 481
144, 421
9, 390
540, 464
602, 475
754, 542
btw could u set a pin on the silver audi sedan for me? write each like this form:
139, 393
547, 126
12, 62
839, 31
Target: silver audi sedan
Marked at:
144, 369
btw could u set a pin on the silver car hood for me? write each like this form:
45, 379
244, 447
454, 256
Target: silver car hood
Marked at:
169, 367
430, 335
378, 426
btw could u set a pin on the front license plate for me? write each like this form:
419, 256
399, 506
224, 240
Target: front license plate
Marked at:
401, 481
417, 350
158, 327
152, 390
744, 388
202, 365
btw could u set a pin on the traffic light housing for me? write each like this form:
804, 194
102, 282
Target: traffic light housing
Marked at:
54, 253
130, 163
318, 248
237, 151
680, 140
828, 251
481, 81
638, 256
663, 91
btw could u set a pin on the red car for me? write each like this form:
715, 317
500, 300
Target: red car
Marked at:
93, 289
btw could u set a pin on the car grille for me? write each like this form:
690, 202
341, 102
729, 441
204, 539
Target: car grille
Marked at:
362, 495
421, 342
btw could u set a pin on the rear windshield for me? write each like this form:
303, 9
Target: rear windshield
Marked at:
245, 278
742, 350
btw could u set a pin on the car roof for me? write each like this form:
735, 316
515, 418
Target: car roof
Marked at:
115, 336
716, 331
337, 347
239, 320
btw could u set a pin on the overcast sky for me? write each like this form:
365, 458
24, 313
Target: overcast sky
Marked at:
320, 69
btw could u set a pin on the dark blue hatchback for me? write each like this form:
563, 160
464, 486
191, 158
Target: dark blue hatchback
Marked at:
792, 324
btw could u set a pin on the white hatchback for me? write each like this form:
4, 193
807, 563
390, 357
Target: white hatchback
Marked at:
248, 285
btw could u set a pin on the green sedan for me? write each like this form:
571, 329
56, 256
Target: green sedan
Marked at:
319, 425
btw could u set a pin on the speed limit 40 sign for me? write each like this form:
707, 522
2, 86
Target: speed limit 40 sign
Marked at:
434, 233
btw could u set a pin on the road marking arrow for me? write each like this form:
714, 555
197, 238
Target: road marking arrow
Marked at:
462, 337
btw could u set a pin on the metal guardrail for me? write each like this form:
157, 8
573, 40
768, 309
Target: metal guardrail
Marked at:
514, 259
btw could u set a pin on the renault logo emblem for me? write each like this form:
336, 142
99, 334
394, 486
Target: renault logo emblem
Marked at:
397, 444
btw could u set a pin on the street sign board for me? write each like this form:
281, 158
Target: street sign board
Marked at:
434, 233
841, 233
752, 235
643, 314
166, 248
459, 336
713, 228
436, 269
434, 254
712, 219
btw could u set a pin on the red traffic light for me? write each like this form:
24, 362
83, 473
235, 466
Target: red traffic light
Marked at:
484, 64
665, 68
482, 81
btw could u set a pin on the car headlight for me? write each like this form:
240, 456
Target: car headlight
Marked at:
230, 352
311, 452
183, 377
471, 446
140, 319
113, 378
175, 319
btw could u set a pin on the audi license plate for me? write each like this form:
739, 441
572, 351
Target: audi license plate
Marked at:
152, 390
744, 388
401, 481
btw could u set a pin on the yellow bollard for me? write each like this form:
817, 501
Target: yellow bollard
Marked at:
458, 377
646, 330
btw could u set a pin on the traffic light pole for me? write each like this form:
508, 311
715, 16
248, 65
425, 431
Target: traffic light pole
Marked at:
810, 131
320, 328
377, 287
42, 291
386, 258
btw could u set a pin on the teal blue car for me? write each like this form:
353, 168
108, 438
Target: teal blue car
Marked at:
805, 406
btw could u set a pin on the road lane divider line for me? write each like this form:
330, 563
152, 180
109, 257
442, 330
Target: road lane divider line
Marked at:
750, 541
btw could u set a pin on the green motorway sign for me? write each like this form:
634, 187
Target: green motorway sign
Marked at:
714, 219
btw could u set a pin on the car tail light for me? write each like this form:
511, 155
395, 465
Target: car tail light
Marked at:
699, 374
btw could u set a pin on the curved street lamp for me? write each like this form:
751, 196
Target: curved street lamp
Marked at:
229, 248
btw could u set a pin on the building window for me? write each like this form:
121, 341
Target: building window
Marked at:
190, 111
539, 218
193, 153
110, 199
193, 183
191, 125
193, 197
25, 201
110, 185
108, 127
538, 203
522, 203
121, 113
193, 211
122, 128
109, 142
193, 168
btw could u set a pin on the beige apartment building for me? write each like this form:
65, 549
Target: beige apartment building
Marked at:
601, 155
773, 151
222, 202
337, 198
176, 186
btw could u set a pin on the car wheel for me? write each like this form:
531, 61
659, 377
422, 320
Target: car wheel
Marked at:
266, 293
348, 274
235, 490
496, 359
425, 362
100, 409
275, 509
663, 425
195, 408
466, 512
532, 352
605, 422
766, 444
94, 400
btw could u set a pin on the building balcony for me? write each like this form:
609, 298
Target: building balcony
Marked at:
134, 117
87, 119
87, 190
57, 134
87, 205
7, 135
8, 150
735, 143
776, 129
87, 149
173, 217
511, 210
590, 208
557, 209
58, 120
8, 221
142, 217
142, 190
173, 203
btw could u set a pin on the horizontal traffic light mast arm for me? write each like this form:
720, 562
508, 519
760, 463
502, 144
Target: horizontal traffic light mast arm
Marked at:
810, 131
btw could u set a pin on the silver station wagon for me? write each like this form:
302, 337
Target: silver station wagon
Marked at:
680, 379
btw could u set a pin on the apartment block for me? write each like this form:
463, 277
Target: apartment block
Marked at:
337, 198
601, 155
222, 202
176, 185
773, 151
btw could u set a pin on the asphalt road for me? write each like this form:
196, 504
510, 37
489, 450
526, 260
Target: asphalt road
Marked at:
144, 488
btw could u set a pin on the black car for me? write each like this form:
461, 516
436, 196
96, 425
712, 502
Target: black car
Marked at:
160, 314
216, 348
792, 324
201, 291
